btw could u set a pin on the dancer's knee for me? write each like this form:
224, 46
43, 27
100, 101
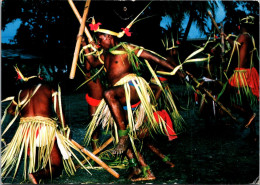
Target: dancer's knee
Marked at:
109, 95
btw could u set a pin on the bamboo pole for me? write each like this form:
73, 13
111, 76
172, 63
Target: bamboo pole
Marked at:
97, 150
77, 48
211, 96
72, 5
96, 159
214, 22
222, 50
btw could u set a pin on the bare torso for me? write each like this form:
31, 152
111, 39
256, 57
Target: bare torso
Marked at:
244, 52
117, 67
40, 103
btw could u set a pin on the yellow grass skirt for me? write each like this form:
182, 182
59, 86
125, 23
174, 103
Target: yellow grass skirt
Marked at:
141, 117
36, 134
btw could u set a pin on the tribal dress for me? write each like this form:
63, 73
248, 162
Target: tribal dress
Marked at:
140, 115
35, 137
245, 80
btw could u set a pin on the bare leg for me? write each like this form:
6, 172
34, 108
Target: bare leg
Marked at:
115, 99
148, 175
157, 90
132, 164
56, 167
158, 152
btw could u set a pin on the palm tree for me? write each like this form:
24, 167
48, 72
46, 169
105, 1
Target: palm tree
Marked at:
196, 10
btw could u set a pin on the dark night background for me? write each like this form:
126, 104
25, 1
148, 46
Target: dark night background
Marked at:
208, 153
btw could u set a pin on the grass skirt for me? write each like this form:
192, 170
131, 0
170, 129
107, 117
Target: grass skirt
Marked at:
246, 82
166, 102
141, 117
35, 137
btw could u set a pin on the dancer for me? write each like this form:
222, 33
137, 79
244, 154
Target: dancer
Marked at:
125, 87
44, 139
243, 85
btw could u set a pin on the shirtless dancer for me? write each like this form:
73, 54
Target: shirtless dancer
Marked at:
38, 133
119, 72
93, 87
117, 67
245, 75
95, 90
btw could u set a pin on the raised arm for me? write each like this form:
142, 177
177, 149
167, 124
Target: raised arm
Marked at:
91, 59
150, 57
165, 63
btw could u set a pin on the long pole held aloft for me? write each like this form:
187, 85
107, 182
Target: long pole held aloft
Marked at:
76, 12
96, 159
77, 48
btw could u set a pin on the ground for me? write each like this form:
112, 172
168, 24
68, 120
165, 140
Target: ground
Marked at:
208, 153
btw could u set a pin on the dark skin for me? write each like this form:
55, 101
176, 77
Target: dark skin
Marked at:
94, 88
244, 50
244, 62
133, 176
136, 171
118, 66
41, 105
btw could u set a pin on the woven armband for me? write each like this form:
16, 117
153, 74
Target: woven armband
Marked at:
144, 170
86, 47
132, 162
238, 43
95, 140
166, 158
227, 37
123, 132
140, 52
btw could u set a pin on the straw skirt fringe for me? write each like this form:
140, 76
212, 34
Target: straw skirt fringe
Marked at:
36, 134
246, 81
137, 117
167, 103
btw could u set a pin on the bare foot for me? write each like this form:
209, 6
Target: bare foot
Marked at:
32, 178
150, 176
250, 120
134, 172
122, 145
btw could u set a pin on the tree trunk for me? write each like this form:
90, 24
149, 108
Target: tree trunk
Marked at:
187, 30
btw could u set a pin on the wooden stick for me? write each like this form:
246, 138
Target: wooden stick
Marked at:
222, 50
214, 22
211, 96
72, 5
96, 159
97, 151
77, 48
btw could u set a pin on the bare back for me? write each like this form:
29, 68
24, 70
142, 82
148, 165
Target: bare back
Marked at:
244, 52
40, 103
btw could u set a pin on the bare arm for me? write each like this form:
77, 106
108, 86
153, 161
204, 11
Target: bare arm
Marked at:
93, 61
11, 109
150, 57
241, 39
165, 63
